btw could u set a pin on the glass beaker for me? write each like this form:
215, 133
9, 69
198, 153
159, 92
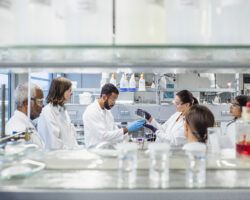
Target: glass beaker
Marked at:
213, 142
127, 163
159, 162
196, 165
196, 169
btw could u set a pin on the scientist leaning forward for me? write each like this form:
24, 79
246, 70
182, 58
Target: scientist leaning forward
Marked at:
99, 124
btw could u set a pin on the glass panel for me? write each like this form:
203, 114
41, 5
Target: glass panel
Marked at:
41, 79
41, 75
136, 22
38, 22
182, 22
7, 23
88, 21
140, 22
43, 84
63, 22
229, 22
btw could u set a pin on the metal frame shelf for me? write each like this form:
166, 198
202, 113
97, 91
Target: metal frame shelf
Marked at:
127, 58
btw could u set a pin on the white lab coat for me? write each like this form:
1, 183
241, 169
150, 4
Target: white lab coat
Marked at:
56, 129
20, 122
171, 131
231, 133
99, 126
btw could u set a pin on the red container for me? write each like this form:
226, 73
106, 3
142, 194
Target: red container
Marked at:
243, 148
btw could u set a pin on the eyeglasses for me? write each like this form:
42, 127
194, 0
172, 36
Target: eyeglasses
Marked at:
112, 100
39, 102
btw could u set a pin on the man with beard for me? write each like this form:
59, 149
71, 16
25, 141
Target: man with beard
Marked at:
99, 124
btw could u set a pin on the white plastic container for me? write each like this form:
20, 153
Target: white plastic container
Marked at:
85, 98
142, 86
74, 84
124, 85
104, 80
213, 143
132, 83
113, 79
153, 85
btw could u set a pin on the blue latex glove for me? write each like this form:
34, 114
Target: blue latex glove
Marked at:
143, 113
152, 128
136, 125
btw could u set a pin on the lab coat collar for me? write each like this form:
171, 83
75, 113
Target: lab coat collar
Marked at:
21, 115
181, 118
98, 106
58, 108
231, 122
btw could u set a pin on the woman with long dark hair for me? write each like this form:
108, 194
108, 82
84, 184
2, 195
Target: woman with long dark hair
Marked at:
54, 124
172, 130
235, 110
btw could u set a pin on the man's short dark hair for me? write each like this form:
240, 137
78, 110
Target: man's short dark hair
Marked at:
108, 89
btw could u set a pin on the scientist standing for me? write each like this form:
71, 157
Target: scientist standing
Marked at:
54, 124
172, 130
99, 124
235, 110
20, 122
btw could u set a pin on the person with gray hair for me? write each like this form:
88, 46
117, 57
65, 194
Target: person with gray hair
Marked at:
20, 122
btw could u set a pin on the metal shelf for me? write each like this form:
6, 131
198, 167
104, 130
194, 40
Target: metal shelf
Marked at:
218, 90
130, 58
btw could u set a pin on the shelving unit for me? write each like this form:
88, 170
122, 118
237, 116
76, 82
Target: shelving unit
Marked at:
96, 91
127, 58
115, 22
149, 59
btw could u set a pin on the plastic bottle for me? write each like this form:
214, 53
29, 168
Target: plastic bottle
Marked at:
113, 79
142, 86
163, 82
243, 132
153, 85
124, 83
104, 79
132, 83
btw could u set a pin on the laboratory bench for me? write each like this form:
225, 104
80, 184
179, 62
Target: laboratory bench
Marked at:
71, 177
96, 184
